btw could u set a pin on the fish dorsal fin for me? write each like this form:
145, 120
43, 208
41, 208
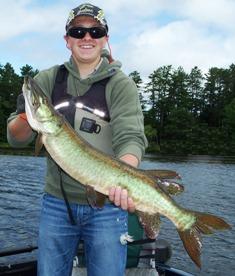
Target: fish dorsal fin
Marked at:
163, 174
38, 144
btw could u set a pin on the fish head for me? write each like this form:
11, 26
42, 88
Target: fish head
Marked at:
41, 114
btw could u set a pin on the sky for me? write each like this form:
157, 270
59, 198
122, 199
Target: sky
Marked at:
143, 34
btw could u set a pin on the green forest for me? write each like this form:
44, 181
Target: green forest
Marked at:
185, 113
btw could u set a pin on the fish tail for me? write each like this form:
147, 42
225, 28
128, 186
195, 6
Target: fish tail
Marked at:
204, 224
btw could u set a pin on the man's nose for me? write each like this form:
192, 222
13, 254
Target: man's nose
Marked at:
87, 36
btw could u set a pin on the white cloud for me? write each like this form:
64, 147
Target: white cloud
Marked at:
216, 13
20, 17
144, 34
180, 43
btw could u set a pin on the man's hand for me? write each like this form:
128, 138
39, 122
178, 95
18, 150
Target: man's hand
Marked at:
120, 198
19, 127
118, 195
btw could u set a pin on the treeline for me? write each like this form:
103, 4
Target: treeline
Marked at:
185, 113
189, 113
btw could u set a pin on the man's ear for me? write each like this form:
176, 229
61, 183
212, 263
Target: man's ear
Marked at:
67, 42
106, 41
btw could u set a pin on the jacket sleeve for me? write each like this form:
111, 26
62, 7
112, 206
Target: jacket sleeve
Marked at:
126, 117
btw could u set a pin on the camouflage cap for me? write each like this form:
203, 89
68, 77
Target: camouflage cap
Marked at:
88, 10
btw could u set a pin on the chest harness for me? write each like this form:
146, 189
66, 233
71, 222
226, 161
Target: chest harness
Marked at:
93, 100
88, 115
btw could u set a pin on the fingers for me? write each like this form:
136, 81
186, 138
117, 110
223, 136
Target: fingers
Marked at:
124, 199
111, 193
131, 205
120, 198
115, 195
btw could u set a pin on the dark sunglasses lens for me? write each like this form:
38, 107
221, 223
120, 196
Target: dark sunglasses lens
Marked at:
77, 32
97, 32
80, 32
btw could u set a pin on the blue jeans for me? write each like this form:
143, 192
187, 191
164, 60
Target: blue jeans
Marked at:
100, 229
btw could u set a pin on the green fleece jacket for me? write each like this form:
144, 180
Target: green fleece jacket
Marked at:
125, 113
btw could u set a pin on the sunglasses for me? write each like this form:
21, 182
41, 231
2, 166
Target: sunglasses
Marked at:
80, 32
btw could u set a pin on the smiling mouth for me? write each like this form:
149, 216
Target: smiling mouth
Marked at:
86, 46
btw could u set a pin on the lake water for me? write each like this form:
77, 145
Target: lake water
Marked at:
209, 187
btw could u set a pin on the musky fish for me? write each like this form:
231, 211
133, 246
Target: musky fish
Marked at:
100, 171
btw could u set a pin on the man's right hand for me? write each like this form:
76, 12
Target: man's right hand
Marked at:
19, 127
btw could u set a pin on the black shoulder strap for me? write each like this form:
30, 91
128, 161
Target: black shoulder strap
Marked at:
59, 94
60, 87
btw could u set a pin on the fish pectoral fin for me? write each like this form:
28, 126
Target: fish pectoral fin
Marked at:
204, 224
166, 180
94, 198
150, 224
171, 187
38, 144
100, 199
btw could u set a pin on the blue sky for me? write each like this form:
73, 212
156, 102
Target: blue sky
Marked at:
143, 34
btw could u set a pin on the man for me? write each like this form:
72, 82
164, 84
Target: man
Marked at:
90, 83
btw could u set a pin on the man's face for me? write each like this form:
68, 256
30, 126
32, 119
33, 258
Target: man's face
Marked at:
87, 49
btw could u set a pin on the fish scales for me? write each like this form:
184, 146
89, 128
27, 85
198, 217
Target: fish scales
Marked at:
87, 167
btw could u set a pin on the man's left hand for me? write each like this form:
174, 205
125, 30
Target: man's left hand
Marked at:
118, 195
120, 198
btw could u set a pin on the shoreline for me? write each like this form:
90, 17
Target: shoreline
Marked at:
30, 151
